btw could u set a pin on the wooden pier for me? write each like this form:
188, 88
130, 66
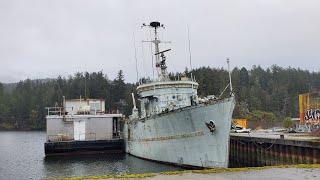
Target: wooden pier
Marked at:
268, 149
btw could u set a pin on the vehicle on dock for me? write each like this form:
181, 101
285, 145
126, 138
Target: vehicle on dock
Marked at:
239, 129
175, 126
81, 126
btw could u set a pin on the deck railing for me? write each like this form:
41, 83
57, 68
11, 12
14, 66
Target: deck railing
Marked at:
88, 136
59, 111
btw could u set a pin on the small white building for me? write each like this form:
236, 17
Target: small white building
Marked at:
85, 106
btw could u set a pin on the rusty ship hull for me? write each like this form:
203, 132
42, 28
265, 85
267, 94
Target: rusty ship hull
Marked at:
181, 136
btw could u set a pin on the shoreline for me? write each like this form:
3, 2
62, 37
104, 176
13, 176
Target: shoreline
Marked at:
311, 169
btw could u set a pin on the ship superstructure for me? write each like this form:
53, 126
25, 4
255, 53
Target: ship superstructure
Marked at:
175, 125
163, 95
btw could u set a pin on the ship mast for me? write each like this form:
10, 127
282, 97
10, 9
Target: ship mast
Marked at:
230, 83
160, 63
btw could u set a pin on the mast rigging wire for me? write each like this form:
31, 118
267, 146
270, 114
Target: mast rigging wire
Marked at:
135, 56
151, 54
189, 50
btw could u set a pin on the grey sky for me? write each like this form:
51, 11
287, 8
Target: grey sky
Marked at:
42, 39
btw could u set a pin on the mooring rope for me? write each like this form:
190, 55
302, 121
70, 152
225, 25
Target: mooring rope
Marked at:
262, 147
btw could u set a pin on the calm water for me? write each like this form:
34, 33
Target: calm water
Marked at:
22, 157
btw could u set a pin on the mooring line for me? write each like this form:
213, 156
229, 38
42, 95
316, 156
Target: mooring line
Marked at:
262, 147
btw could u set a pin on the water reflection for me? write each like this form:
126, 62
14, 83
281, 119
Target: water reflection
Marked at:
22, 157
100, 165
88, 165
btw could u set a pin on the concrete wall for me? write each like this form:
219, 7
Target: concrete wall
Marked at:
248, 151
309, 108
253, 124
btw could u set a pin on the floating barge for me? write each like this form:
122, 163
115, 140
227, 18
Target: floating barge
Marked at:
268, 149
84, 147
81, 126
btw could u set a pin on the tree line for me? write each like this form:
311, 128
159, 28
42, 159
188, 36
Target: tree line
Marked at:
23, 106
273, 90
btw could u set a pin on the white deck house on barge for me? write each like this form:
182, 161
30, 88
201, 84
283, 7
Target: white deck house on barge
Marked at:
82, 119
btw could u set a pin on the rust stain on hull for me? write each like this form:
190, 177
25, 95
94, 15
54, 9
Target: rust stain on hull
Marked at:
179, 136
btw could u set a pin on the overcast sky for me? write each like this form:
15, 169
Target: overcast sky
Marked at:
44, 39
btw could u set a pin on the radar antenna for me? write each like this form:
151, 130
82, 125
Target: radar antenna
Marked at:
161, 68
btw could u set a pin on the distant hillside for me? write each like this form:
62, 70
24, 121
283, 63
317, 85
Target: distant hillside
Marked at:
9, 87
275, 89
23, 104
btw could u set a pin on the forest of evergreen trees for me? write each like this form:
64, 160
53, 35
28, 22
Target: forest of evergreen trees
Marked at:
275, 90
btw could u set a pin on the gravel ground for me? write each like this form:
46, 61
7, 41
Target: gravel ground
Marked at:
273, 173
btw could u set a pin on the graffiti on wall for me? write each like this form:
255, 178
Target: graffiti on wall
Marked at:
309, 105
312, 115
